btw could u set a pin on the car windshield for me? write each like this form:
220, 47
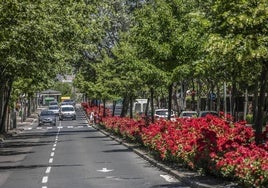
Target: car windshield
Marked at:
65, 109
53, 103
189, 114
204, 114
46, 113
162, 112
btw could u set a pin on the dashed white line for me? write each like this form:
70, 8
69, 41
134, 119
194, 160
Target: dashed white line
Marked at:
52, 154
48, 170
53, 149
44, 180
54, 145
50, 160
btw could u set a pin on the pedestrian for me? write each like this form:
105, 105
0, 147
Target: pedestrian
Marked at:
91, 118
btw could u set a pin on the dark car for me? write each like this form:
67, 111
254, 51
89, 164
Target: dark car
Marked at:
205, 113
47, 117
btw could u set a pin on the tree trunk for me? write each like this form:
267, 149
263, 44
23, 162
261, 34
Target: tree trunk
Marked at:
114, 106
169, 100
152, 103
255, 102
4, 100
131, 107
104, 108
245, 105
261, 104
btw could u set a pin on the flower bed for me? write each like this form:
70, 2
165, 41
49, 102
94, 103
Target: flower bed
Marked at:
211, 144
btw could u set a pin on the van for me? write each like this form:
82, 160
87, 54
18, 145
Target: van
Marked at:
67, 112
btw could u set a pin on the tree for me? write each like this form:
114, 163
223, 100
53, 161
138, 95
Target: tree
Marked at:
239, 31
37, 39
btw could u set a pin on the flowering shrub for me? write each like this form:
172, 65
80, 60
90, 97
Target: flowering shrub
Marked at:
215, 145
125, 127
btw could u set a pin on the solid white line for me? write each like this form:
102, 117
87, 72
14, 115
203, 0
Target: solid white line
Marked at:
44, 180
48, 170
52, 154
50, 160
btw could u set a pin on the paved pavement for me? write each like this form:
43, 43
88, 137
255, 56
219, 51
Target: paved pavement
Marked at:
191, 178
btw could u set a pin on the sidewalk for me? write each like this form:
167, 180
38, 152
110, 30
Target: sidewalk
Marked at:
28, 123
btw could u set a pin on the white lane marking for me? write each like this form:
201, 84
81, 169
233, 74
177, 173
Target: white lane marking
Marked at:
48, 170
105, 170
54, 145
50, 160
44, 180
39, 128
52, 154
49, 127
169, 178
70, 127
53, 149
60, 127
44, 186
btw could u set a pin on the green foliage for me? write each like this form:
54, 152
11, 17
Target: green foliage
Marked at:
64, 88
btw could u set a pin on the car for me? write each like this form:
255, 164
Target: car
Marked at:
53, 103
188, 114
55, 109
163, 113
67, 112
47, 117
205, 113
68, 102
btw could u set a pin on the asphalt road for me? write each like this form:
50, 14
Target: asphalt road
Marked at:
75, 155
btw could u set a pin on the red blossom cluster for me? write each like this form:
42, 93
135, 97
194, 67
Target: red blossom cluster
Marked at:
97, 110
215, 145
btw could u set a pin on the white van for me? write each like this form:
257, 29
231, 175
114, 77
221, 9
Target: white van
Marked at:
67, 112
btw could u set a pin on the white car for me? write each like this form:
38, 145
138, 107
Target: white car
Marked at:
163, 113
67, 112
188, 114
55, 109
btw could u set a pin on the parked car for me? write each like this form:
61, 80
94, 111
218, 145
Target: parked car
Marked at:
204, 113
163, 113
47, 117
55, 109
188, 114
67, 112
